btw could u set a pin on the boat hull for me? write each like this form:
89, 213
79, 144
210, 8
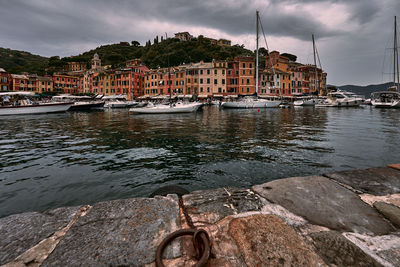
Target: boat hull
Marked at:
165, 109
35, 109
378, 104
252, 104
305, 103
85, 106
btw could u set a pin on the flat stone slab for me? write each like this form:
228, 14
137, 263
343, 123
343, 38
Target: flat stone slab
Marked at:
376, 181
265, 240
324, 202
391, 212
210, 206
119, 233
21, 232
336, 250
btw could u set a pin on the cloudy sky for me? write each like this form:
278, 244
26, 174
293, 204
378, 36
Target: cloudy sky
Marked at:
353, 36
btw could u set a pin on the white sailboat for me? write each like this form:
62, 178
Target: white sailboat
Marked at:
179, 107
23, 105
310, 101
253, 102
391, 97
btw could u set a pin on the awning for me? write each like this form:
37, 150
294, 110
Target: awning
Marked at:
218, 95
231, 96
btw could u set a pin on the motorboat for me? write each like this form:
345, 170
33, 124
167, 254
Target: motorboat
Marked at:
79, 102
386, 99
249, 102
306, 101
341, 99
22, 103
115, 101
178, 107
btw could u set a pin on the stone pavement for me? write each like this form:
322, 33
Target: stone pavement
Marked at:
348, 218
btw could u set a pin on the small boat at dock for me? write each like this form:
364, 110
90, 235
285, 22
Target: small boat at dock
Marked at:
179, 107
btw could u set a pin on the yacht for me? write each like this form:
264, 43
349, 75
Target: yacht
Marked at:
386, 99
116, 101
178, 107
305, 101
79, 102
22, 103
341, 99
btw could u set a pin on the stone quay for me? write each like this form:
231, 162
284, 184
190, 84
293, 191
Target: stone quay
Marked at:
346, 218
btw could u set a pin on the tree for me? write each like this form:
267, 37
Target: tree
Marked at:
290, 56
135, 43
263, 52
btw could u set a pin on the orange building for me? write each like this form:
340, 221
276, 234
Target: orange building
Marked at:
246, 75
19, 82
65, 84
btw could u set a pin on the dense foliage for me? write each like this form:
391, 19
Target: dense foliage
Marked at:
15, 61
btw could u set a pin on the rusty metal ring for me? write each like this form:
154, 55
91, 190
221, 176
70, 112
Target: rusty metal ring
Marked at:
196, 233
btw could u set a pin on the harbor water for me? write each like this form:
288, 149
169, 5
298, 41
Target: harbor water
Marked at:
54, 160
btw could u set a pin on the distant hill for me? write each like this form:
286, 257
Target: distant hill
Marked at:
365, 90
15, 61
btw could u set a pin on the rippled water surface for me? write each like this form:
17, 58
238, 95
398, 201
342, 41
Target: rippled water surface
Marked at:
54, 160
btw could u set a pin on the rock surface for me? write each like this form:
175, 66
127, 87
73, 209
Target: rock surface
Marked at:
207, 207
336, 250
391, 212
20, 232
377, 181
121, 232
324, 202
265, 240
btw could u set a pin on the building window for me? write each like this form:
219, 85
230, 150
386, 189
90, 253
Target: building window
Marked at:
208, 80
201, 81
223, 81
244, 65
215, 72
215, 81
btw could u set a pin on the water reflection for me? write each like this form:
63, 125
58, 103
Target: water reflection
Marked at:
55, 160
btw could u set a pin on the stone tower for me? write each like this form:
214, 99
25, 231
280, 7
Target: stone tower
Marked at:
96, 62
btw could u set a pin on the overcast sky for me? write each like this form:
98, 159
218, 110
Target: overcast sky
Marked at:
352, 35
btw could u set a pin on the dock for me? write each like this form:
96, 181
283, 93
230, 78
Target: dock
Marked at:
345, 218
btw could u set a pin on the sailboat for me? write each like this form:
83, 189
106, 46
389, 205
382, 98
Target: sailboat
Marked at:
179, 107
310, 101
253, 102
391, 97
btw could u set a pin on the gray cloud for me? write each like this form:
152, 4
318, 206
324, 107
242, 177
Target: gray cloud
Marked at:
68, 27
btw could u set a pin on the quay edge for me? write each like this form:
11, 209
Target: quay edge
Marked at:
347, 218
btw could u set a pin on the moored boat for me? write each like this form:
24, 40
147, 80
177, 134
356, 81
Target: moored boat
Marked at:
341, 99
386, 99
24, 105
179, 107
79, 102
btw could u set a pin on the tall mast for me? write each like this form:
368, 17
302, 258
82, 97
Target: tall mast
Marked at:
315, 63
257, 18
169, 73
396, 53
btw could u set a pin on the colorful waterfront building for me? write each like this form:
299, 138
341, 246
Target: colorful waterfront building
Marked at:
19, 82
246, 75
205, 77
65, 84
75, 66
5, 80
232, 79
45, 84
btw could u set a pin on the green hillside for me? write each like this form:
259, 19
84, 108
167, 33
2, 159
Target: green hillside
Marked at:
157, 54
15, 61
